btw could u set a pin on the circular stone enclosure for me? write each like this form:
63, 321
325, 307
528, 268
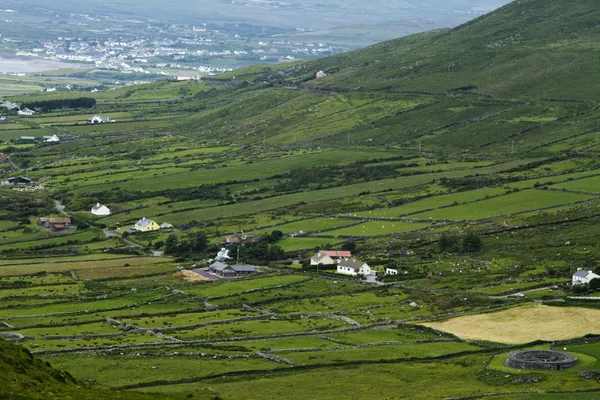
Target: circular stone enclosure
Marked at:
540, 359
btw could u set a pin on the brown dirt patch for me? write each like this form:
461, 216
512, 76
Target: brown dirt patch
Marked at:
190, 276
524, 324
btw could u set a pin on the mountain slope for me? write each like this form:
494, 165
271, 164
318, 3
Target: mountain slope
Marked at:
524, 76
531, 48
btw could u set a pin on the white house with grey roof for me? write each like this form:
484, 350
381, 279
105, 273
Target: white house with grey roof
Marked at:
583, 277
353, 268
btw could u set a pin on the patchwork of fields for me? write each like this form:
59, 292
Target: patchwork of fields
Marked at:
479, 208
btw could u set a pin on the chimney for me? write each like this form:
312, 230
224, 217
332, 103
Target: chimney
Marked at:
97, 205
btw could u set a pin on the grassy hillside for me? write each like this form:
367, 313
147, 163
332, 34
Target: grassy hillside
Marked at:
530, 48
24, 377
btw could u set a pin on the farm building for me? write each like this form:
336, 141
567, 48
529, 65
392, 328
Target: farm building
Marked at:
329, 257
100, 209
98, 120
9, 106
26, 112
19, 180
353, 268
51, 139
165, 226
391, 271
320, 75
146, 225
27, 140
231, 240
583, 276
56, 224
223, 269
4, 120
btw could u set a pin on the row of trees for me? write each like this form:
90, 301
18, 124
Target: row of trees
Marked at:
191, 243
460, 244
47, 105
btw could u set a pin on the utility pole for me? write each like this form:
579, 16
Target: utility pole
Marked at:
348, 140
264, 139
419, 147
512, 150
596, 138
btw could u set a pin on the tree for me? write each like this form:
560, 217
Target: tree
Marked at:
276, 236
198, 241
172, 244
595, 284
349, 246
449, 243
471, 243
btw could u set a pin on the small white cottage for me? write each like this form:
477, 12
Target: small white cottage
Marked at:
353, 268
100, 209
583, 277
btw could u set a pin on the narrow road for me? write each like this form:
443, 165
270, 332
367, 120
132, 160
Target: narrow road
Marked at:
12, 164
60, 208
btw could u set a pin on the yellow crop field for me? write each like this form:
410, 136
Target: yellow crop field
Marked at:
524, 324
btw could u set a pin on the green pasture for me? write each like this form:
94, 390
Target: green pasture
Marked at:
49, 291
87, 305
345, 302
376, 228
431, 203
101, 265
220, 289
51, 260
379, 353
148, 369
253, 170
305, 243
516, 202
259, 328
588, 185
310, 225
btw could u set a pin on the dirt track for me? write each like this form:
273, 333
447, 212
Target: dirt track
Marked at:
190, 276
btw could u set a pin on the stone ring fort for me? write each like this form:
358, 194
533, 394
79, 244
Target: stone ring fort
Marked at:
540, 359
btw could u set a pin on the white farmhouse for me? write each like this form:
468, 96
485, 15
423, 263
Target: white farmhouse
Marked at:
583, 277
26, 112
100, 209
353, 268
98, 120
51, 139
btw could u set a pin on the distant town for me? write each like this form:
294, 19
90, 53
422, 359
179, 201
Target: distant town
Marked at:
155, 49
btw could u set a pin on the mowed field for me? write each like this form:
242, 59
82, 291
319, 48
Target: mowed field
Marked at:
524, 324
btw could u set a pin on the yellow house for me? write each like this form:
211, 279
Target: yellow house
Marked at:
146, 225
